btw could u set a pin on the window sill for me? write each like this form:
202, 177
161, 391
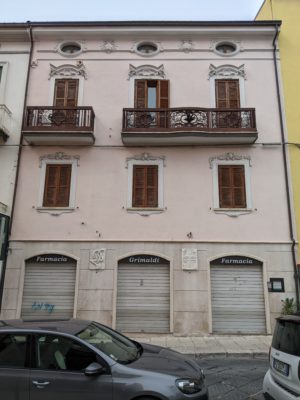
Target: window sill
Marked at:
233, 212
55, 210
145, 211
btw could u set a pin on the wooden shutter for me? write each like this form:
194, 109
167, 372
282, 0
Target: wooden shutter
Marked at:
66, 92
57, 185
163, 93
145, 186
227, 93
232, 191
140, 98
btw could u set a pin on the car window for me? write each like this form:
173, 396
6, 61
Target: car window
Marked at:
110, 342
12, 350
286, 337
61, 353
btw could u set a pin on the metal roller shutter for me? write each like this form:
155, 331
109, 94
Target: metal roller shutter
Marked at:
143, 298
237, 300
49, 290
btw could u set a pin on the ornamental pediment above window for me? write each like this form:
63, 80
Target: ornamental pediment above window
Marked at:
146, 71
68, 70
227, 71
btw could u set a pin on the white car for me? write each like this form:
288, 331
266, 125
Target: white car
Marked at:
282, 381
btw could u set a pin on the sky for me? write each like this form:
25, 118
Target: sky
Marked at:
128, 10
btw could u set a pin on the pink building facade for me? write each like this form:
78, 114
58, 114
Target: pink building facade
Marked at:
151, 194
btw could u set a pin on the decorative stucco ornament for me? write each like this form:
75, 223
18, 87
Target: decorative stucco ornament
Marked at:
68, 70
97, 259
109, 46
227, 71
61, 156
144, 157
229, 157
147, 71
186, 46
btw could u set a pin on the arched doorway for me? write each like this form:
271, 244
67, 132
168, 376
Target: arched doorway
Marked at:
49, 287
237, 295
143, 294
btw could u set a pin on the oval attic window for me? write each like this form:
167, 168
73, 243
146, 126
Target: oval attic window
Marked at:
70, 48
147, 48
226, 48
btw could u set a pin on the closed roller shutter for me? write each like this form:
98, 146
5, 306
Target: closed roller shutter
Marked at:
49, 290
237, 300
143, 299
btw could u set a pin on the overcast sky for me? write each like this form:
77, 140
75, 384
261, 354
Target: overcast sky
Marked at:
127, 10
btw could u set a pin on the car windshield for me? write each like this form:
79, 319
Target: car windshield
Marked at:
286, 337
114, 345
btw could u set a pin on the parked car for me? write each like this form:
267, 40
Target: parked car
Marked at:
75, 360
282, 381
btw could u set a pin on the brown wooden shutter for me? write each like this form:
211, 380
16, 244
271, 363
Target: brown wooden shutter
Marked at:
227, 93
57, 185
163, 92
66, 92
140, 98
232, 191
145, 186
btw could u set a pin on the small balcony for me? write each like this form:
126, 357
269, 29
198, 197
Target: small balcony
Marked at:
5, 123
188, 126
59, 125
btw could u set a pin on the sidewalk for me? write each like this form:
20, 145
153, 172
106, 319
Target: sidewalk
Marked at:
212, 346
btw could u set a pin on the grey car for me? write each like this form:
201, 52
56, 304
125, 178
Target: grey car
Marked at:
84, 360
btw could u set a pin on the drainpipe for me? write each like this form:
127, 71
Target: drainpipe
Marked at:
285, 163
18, 161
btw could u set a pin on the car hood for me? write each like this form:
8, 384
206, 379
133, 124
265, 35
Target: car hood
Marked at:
160, 359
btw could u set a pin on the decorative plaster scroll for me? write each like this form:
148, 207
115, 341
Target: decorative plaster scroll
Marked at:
147, 71
227, 71
189, 259
229, 157
109, 46
68, 70
186, 46
145, 157
59, 156
97, 259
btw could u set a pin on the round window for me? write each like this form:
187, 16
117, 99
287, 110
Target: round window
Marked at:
147, 49
70, 49
226, 48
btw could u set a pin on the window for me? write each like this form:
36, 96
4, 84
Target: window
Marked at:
232, 191
57, 185
151, 93
60, 353
146, 49
145, 186
12, 350
226, 48
70, 49
66, 92
227, 93
231, 184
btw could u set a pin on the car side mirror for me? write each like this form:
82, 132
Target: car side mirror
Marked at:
94, 369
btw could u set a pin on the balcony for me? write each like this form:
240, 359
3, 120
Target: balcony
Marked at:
5, 122
59, 125
188, 126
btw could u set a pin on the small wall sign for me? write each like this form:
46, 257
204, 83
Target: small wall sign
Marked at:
189, 259
50, 258
236, 260
276, 285
144, 259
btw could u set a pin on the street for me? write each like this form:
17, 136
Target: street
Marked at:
234, 378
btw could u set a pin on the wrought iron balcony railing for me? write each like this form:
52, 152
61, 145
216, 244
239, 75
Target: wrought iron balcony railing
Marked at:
59, 119
189, 119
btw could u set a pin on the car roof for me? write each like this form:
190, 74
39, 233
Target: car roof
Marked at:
70, 326
290, 318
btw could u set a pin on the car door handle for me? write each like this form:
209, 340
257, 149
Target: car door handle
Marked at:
40, 385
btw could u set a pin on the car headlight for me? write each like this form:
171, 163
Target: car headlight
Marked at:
189, 386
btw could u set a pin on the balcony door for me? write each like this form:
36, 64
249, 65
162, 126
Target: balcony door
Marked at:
228, 96
151, 94
66, 95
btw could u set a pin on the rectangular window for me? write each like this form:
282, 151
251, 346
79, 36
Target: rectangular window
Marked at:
57, 185
12, 350
145, 186
227, 93
66, 92
232, 190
